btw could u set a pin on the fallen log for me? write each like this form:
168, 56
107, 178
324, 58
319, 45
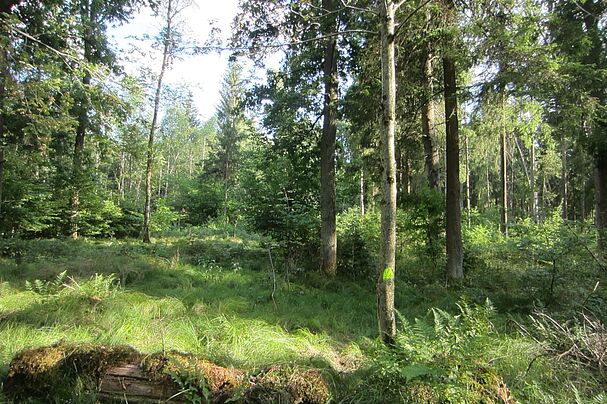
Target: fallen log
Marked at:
119, 373
127, 381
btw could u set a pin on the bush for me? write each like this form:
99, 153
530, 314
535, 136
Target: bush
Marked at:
441, 360
422, 220
163, 218
358, 242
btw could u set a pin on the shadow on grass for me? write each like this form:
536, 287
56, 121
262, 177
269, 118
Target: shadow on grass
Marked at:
211, 288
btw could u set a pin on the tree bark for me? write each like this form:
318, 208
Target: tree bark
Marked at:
428, 119
534, 193
328, 233
385, 282
468, 190
147, 211
88, 15
455, 254
3, 77
503, 171
362, 191
564, 179
601, 200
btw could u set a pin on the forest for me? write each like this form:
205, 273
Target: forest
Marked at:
409, 206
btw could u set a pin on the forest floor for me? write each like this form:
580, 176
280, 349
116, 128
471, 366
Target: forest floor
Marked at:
220, 296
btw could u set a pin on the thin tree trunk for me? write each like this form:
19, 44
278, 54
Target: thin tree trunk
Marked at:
147, 211
455, 255
428, 119
503, 171
601, 200
226, 179
468, 202
328, 227
405, 173
87, 10
534, 193
167, 178
159, 191
362, 191
564, 179
3, 77
385, 282
488, 183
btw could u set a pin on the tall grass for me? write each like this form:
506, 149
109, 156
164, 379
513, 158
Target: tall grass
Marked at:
212, 292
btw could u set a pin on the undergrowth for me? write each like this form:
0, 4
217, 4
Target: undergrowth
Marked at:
214, 293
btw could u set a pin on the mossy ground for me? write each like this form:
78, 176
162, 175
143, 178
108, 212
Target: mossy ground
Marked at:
210, 294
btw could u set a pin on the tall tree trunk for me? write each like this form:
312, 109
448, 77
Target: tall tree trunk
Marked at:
503, 171
159, 190
385, 282
601, 200
88, 15
404, 172
204, 153
362, 191
5, 8
534, 193
564, 179
3, 77
488, 183
455, 255
226, 188
428, 119
328, 235
468, 191
147, 210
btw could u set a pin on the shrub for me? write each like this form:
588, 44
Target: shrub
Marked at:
441, 360
358, 241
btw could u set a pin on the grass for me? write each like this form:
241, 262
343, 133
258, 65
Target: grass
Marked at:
211, 294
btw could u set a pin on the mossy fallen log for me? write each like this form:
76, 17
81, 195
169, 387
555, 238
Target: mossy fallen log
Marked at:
119, 373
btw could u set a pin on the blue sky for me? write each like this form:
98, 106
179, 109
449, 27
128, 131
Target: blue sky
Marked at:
202, 74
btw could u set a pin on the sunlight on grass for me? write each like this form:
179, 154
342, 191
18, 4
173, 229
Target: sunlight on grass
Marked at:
212, 296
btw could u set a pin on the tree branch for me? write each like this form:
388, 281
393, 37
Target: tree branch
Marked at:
350, 7
283, 44
422, 5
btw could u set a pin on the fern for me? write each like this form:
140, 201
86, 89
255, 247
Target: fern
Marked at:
47, 288
192, 383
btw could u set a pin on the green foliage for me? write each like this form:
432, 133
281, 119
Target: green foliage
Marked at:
127, 223
184, 293
46, 288
422, 220
577, 342
98, 287
163, 218
201, 199
191, 383
547, 264
358, 238
448, 355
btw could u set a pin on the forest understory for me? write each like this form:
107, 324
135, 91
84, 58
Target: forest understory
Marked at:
380, 202
518, 329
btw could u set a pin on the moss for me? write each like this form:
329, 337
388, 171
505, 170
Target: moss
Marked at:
289, 384
220, 383
487, 386
421, 393
56, 370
